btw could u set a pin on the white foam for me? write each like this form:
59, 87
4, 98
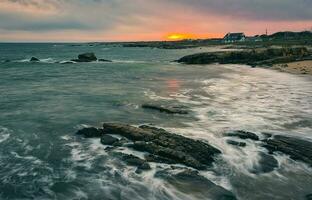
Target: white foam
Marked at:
4, 134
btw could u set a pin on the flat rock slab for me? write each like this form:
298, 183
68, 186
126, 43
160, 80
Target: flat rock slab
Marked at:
191, 183
168, 109
165, 146
298, 149
242, 135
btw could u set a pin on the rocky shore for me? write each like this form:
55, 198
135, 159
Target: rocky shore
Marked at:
263, 57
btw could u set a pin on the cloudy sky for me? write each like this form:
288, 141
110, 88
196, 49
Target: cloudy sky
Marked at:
124, 20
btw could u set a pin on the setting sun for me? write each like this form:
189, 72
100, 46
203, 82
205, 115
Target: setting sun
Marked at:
180, 36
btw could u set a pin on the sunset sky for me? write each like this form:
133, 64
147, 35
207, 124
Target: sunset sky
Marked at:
129, 20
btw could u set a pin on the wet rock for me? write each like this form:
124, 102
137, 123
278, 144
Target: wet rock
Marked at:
193, 184
132, 160
90, 132
253, 57
168, 110
86, 57
108, 140
104, 60
235, 143
7, 61
165, 146
243, 135
144, 167
267, 163
298, 149
34, 59
308, 197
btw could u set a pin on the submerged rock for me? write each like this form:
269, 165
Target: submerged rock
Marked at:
108, 140
191, 183
308, 197
235, 143
34, 59
90, 132
298, 149
86, 57
267, 163
165, 146
104, 60
243, 135
169, 110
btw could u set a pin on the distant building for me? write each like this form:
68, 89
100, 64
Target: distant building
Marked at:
234, 37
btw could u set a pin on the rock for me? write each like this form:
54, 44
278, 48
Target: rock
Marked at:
308, 197
267, 163
86, 57
7, 61
108, 140
34, 59
193, 184
298, 149
169, 110
235, 143
104, 60
130, 159
165, 146
252, 57
90, 132
243, 135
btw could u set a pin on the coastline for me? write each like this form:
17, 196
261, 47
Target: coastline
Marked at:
300, 67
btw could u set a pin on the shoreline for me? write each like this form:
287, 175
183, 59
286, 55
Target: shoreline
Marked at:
299, 67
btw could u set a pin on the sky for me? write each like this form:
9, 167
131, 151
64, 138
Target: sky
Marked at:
138, 20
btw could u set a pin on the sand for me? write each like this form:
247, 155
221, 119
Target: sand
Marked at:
300, 67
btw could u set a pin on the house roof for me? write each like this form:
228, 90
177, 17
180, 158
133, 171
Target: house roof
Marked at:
234, 36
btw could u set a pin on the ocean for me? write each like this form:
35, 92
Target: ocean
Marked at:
43, 104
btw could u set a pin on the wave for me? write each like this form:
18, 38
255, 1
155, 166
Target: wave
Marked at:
4, 134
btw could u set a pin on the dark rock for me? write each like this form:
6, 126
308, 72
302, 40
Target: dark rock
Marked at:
243, 135
104, 60
165, 146
6, 61
298, 149
235, 143
130, 159
34, 59
108, 140
169, 110
251, 57
267, 163
191, 183
91, 132
86, 57
308, 197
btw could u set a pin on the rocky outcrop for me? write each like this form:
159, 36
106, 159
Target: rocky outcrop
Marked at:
235, 143
164, 146
251, 57
160, 145
191, 183
34, 59
297, 149
168, 110
86, 57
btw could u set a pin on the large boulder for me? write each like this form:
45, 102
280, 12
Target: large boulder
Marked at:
165, 146
86, 57
266, 164
298, 149
108, 140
